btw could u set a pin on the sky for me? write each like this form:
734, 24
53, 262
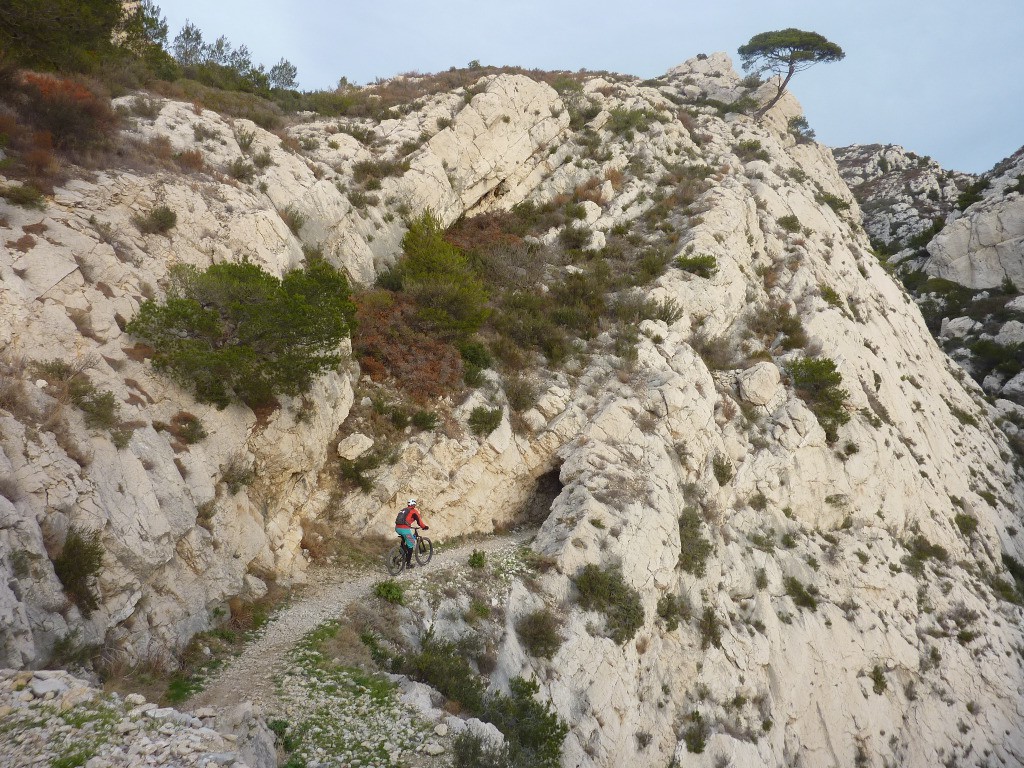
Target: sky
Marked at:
943, 78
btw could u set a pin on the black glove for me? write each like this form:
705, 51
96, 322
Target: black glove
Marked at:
426, 527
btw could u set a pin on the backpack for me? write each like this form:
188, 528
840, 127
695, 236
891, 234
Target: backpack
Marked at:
402, 521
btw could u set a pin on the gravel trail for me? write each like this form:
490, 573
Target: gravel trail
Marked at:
250, 676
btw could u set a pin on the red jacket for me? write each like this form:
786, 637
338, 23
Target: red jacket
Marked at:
408, 516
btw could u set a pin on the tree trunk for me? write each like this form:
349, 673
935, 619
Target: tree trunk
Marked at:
775, 99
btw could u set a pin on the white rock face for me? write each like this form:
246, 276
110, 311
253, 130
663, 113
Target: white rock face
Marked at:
983, 248
354, 446
905, 652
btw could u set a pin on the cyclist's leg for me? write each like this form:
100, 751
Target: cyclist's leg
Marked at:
408, 543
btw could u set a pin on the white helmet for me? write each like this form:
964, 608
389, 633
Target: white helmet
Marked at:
412, 502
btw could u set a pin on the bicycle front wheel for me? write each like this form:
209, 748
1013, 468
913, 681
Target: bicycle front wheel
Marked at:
424, 550
394, 561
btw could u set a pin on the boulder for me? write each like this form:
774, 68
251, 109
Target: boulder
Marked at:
760, 384
354, 446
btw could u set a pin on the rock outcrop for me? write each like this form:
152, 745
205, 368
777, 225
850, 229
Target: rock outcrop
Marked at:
835, 579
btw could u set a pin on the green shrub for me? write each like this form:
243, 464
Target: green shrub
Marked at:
448, 294
920, 550
972, 194
101, 408
789, 223
24, 195
963, 416
475, 353
801, 130
574, 237
967, 524
695, 734
539, 633
751, 149
695, 549
831, 296
878, 681
672, 609
710, 629
235, 331
702, 266
441, 665
606, 591
293, 218
803, 597
374, 170
237, 473
158, 221
391, 591
477, 559
623, 122
469, 750
533, 732
425, 420
817, 383
834, 202
483, 420
241, 169
263, 159
722, 468
77, 567
520, 393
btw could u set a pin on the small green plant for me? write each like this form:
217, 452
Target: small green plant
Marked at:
391, 591
919, 551
710, 629
606, 591
834, 202
672, 609
241, 169
817, 383
751, 149
695, 549
695, 734
483, 420
292, 217
77, 567
24, 195
237, 473
425, 420
878, 681
967, 524
477, 559
538, 631
789, 223
701, 265
244, 138
831, 296
803, 597
160, 221
722, 468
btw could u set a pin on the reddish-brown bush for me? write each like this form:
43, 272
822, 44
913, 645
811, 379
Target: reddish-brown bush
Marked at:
389, 346
75, 114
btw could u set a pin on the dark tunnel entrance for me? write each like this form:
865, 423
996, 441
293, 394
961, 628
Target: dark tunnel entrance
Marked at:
538, 507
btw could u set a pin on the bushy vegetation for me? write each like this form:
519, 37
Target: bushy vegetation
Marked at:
606, 591
789, 223
972, 194
817, 383
78, 565
803, 597
234, 331
160, 220
701, 265
538, 631
483, 420
672, 609
390, 590
695, 549
533, 732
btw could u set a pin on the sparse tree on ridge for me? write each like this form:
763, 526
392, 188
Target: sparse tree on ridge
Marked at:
784, 53
284, 74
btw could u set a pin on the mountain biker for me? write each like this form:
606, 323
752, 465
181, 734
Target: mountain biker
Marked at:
403, 527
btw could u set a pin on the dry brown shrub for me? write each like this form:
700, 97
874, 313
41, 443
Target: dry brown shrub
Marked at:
589, 190
616, 177
191, 160
390, 347
25, 243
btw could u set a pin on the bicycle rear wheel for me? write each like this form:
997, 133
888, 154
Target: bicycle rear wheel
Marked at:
424, 550
394, 561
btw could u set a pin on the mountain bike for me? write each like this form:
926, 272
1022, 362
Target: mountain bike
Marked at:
423, 550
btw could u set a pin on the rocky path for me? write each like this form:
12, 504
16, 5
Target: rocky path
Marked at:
329, 593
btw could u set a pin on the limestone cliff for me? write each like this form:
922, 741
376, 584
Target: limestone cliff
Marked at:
854, 607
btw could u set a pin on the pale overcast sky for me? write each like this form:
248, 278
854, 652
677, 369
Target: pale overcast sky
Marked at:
943, 78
